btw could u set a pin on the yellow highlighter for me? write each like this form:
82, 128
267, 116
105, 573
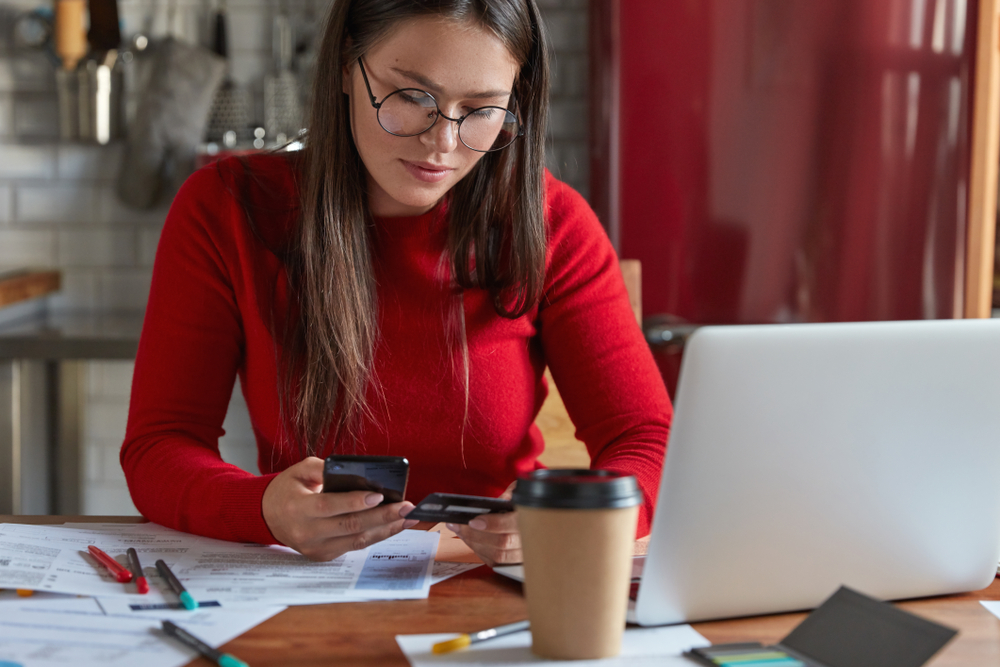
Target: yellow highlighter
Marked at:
25, 592
462, 641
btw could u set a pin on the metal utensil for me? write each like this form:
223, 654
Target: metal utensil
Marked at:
101, 99
105, 33
231, 106
282, 92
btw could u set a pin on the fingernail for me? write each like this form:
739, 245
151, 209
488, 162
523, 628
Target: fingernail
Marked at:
410, 523
478, 524
373, 499
405, 509
452, 527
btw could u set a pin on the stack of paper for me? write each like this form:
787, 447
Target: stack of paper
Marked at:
77, 632
237, 587
228, 574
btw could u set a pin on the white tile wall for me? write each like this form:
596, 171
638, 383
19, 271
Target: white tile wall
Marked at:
27, 248
66, 202
58, 207
6, 204
26, 72
28, 162
125, 289
36, 116
6, 115
80, 291
81, 162
96, 247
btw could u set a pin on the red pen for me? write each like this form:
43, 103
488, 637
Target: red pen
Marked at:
121, 574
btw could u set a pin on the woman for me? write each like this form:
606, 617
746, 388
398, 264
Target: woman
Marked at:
397, 289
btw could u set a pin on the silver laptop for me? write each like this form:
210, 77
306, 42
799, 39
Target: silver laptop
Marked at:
807, 456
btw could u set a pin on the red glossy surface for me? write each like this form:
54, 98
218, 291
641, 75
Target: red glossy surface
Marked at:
793, 161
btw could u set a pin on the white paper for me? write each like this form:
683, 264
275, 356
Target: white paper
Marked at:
641, 647
398, 568
37, 596
55, 559
993, 606
123, 605
78, 633
443, 571
215, 572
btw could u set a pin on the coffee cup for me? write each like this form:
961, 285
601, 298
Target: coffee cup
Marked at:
577, 534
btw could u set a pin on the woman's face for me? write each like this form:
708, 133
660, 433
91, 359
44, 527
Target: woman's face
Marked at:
464, 67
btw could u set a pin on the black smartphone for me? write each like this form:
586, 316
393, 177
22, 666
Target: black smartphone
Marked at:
455, 508
383, 474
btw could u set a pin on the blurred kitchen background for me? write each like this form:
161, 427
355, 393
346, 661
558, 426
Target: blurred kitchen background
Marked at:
763, 160
58, 203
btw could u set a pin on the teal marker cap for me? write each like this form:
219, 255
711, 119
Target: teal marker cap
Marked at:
226, 660
188, 601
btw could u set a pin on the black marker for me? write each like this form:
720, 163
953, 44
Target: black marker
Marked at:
176, 586
219, 658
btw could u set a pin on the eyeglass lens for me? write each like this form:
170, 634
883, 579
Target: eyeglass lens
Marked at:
409, 111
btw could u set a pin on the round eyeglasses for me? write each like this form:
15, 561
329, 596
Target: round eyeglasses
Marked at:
408, 112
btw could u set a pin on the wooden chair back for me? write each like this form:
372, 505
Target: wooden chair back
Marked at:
562, 449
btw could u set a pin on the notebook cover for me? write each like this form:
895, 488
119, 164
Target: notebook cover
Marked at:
853, 630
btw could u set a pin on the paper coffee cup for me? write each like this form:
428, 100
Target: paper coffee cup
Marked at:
577, 533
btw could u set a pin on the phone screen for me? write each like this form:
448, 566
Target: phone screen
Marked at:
384, 474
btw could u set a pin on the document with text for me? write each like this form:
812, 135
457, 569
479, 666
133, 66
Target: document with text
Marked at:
215, 572
77, 633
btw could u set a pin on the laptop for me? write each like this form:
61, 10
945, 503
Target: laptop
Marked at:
803, 457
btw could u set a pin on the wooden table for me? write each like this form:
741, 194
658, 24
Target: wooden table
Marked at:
362, 634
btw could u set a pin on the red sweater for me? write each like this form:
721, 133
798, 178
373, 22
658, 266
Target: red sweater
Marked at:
215, 285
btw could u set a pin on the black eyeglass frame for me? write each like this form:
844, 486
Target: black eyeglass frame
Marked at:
378, 105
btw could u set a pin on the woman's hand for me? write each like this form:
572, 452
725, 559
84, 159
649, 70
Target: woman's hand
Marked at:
493, 537
322, 526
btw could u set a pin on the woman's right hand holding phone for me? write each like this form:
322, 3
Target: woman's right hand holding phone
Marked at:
322, 526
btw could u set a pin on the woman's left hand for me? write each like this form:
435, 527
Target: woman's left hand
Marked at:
493, 537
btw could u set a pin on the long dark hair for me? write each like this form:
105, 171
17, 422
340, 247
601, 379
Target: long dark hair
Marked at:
496, 225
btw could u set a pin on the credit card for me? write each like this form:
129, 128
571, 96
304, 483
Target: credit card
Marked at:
455, 508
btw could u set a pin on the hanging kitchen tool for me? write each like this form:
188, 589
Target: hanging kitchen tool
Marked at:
229, 118
170, 120
70, 46
282, 93
101, 77
101, 99
71, 38
104, 34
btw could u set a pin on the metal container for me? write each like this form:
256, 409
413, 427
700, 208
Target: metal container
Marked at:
102, 102
92, 100
68, 94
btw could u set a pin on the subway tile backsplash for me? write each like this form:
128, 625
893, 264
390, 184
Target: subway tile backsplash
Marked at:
58, 208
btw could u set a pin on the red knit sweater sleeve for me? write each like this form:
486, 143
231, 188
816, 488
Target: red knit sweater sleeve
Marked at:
596, 351
189, 354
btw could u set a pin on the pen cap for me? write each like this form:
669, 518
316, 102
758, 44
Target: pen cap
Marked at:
577, 489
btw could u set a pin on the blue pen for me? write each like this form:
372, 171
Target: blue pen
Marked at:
219, 658
176, 586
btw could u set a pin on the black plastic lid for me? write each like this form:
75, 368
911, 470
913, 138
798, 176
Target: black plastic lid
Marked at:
577, 489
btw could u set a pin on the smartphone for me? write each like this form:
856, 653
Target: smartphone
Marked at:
749, 653
383, 474
454, 508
